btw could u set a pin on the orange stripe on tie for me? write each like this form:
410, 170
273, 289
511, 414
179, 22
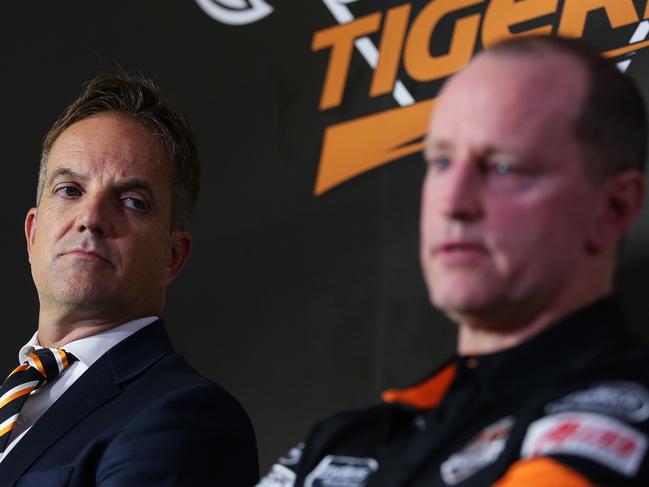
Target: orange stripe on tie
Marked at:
64, 359
15, 395
7, 428
18, 369
39, 365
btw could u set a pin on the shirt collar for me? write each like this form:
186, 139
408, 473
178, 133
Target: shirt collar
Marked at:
553, 353
556, 350
89, 349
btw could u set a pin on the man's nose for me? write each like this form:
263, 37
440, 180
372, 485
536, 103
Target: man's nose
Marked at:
463, 191
95, 215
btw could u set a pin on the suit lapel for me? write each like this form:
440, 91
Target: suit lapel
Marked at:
100, 383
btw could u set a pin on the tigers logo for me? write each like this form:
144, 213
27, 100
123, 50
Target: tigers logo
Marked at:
405, 35
236, 12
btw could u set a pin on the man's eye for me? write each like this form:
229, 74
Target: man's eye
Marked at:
439, 163
502, 167
135, 203
68, 191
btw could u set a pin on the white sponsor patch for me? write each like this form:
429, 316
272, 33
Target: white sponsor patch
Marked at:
293, 456
482, 450
279, 476
625, 400
593, 436
340, 471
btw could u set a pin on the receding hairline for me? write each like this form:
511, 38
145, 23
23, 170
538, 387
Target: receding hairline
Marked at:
117, 115
579, 84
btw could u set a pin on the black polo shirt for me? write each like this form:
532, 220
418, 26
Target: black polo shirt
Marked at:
568, 407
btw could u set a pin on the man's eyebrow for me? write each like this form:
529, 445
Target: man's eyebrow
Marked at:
135, 183
431, 144
65, 172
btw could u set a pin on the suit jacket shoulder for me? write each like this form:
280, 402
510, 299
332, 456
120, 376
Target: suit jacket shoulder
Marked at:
140, 415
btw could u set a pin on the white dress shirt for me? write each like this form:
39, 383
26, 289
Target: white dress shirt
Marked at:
87, 350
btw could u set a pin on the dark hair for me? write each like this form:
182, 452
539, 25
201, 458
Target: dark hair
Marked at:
612, 122
141, 100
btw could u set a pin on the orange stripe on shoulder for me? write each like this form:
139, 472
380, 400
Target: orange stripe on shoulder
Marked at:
542, 472
426, 395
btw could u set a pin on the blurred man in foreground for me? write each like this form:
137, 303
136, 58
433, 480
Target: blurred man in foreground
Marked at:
101, 398
535, 158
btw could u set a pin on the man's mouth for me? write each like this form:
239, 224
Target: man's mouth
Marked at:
460, 251
86, 254
461, 246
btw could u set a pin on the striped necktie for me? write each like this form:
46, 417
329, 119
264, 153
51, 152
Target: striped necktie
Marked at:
41, 366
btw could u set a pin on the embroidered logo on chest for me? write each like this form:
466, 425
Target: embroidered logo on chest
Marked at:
341, 471
482, 450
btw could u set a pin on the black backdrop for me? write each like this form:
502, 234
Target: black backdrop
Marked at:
299, 304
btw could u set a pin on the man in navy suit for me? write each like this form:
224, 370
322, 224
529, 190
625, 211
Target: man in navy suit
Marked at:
118, 181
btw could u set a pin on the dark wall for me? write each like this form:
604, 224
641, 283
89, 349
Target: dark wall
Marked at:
299, 304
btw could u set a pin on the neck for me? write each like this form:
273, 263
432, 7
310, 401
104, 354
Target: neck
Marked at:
483, 336
57, 330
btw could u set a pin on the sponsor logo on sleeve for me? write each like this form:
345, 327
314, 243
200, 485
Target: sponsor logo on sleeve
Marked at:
598, 438
341, 471
279, 476
482, 450
625, 400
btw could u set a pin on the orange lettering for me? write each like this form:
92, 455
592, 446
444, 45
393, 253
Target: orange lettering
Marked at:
575, 12
501, 15
341, 40
394, 31
417, 60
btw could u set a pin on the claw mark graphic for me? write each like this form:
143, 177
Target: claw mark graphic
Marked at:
236, 12
640, 34
342, 14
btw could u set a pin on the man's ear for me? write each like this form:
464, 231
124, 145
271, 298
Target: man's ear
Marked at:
30, 230
623, 197
180, 249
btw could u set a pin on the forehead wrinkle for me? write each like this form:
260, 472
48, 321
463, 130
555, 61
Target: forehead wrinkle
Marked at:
94, 143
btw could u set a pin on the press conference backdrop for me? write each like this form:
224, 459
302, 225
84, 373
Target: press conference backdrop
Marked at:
303, 295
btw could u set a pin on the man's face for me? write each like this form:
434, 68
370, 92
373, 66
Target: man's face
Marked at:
100, 239
507, 208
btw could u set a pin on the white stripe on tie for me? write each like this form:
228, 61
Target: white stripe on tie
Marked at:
9, 421
19, 387
59, 362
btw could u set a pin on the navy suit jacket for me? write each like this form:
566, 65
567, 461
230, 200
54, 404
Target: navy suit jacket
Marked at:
139, 416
